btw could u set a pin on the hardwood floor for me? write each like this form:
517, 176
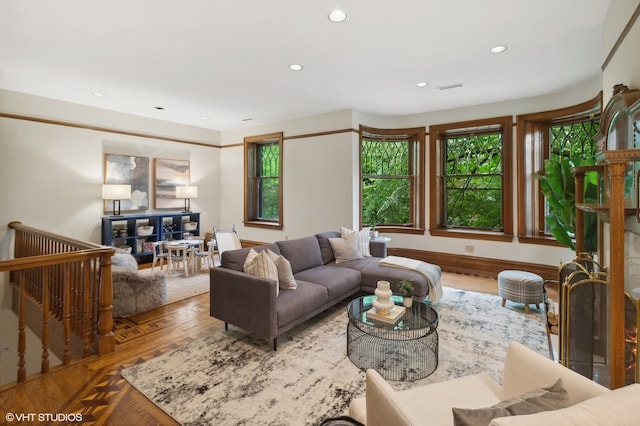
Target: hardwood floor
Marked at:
95, 388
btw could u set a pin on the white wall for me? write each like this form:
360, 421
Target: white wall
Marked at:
321, 176
51, 176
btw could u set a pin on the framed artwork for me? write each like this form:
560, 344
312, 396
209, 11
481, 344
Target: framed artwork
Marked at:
132, 170
168, 175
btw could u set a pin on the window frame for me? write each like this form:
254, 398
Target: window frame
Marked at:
532, 146
251, 145
416, 137
436, 178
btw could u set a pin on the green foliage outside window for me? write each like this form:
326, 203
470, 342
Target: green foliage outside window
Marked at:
386, 182
268, 182
473, 181
571, 145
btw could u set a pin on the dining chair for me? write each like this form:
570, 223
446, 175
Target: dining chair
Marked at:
203, 253
178, 253
160, 255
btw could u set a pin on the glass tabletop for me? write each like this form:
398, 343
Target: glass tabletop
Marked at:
417, 317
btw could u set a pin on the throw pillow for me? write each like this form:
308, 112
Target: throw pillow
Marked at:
285, 275
542, 399
346, 249
261, 265
363, 239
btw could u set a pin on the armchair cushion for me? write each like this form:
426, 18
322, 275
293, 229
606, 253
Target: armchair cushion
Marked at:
542, 399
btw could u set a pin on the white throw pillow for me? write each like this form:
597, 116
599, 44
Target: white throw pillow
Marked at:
363, 239
285, 274
261, 265
346, 249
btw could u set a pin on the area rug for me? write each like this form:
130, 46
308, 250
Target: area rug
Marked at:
180, 287
230, 378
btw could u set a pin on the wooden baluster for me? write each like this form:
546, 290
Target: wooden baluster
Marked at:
45, 321
86, 320
66, 318
22, 341
106, 338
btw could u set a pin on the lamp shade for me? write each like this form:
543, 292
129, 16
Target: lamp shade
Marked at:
116, 192
188, 191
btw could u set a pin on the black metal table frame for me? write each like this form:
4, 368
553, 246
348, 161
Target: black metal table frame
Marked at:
404, 351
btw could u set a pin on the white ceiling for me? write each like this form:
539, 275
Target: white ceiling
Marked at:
229, 60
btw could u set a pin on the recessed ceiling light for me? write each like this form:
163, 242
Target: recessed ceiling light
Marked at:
204, 117
295, 67
498, 49
422, 84
99, 94
337, 16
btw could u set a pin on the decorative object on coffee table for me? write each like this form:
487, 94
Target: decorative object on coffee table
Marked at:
405, 288
383, 304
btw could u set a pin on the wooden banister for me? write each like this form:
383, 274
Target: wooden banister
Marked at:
70, 281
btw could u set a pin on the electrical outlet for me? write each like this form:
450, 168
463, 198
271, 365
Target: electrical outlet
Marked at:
469, 249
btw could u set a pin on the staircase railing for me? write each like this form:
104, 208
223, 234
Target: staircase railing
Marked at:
70, 281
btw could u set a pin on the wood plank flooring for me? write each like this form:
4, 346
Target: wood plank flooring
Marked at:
95, 388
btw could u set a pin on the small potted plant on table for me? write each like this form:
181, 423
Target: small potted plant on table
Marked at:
405, 288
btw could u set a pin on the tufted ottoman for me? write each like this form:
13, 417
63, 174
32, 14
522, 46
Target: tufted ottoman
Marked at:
521, 287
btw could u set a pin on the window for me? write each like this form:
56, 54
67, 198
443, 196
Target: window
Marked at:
562, 133
471, 179
263, 180
392, 178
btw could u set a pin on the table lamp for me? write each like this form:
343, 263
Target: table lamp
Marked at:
116, 193
187, 192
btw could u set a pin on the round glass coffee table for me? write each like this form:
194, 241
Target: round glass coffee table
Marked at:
406, 350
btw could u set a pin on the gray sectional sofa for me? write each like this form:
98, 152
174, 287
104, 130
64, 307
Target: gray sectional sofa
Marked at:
252, 303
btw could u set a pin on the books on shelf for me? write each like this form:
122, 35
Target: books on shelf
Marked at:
391, 318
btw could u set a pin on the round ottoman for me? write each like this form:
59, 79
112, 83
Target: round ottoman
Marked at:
521, 287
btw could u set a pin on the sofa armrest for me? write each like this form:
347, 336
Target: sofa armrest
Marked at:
525, 370
244, 300
378, 248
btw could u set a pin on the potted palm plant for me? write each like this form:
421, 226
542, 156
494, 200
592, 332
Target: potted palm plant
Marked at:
405, 288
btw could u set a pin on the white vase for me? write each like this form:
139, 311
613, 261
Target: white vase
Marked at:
383, 302
407, 301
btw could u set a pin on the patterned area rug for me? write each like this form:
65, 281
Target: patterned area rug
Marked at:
231, 378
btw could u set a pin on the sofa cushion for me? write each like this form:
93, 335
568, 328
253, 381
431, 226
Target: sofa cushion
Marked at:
325, 246
338, 281
615, 408
234, 259
303, 253
346, 249
285, 275
262, 266
291, 305
363, 238
535, 401
372, 272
